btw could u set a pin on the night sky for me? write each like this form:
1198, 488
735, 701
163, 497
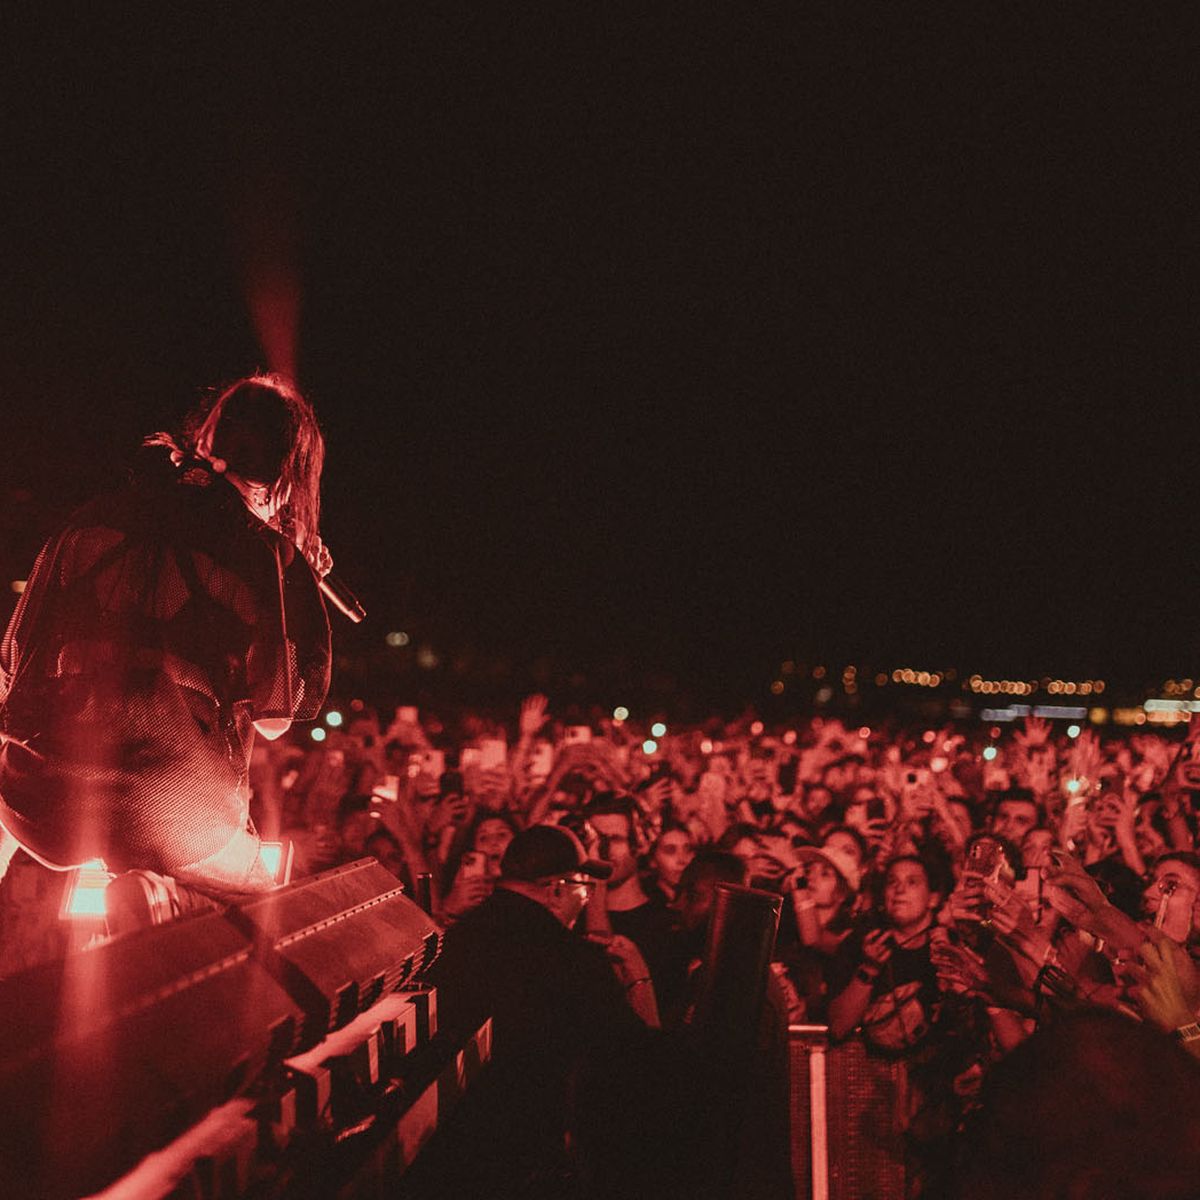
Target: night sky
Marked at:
844, 338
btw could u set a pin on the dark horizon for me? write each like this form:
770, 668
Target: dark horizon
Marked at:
888, 357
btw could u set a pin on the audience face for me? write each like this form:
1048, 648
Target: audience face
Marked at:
1150, 842
1035, 848
615, 846
491, 839
847, 843
672, 853
824, 883
907, 897
388, 853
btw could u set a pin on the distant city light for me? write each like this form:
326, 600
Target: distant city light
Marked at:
620, 713
658, 729
397, 638
318, 734
333, 718
649, 746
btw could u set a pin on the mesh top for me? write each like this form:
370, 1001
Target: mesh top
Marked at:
154, 630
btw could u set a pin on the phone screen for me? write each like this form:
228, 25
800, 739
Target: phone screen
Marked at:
786, 776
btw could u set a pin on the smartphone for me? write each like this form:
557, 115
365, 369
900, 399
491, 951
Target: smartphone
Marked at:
785, 776
986, 860
493, 753
577, 735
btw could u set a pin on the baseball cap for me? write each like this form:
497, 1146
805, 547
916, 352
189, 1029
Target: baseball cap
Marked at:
544, 851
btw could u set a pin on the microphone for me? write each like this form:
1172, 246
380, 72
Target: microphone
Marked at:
341, 597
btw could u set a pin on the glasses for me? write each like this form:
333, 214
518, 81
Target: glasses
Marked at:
585, 881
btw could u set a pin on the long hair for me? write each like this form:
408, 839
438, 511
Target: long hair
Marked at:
266, 431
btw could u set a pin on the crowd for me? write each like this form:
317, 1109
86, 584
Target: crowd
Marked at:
947, 891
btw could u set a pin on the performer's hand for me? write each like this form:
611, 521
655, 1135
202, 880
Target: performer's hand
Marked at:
319, 558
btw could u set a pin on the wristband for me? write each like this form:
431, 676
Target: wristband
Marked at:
1187, 1033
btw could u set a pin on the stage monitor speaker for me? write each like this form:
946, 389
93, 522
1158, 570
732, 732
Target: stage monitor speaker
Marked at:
339, 941
737, 957
111, 1052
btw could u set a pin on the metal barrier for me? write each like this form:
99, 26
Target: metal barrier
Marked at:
847, 1117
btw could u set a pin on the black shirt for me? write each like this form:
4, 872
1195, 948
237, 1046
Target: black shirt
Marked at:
555, 1004
654, 929
905, 1001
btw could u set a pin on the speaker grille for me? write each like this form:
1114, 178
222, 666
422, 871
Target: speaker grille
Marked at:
864, 1102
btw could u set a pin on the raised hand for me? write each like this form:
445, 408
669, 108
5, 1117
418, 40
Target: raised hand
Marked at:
467, 892
1035, 735
1168, 991
318, 556
533, 714
1085, 757
959, 969
877, 947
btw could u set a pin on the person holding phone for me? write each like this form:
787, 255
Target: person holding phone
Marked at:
883, 979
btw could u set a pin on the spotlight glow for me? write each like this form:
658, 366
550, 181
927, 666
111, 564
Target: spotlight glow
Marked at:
658, 729
620, 713
318, 734
649, 746
333, 718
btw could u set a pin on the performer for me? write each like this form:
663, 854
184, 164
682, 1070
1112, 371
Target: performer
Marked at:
165, 624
